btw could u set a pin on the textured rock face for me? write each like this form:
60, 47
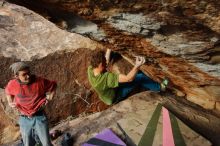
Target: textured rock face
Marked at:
204, 11
134, 23
188, 29
133, 115
27, 36
180, 40
9, 132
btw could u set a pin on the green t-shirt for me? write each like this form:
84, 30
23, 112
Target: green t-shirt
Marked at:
104, 85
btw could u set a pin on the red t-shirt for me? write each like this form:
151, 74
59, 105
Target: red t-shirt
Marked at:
29, 97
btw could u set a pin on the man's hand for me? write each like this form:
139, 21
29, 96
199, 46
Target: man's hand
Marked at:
107, 56
139, 61
10, 100
50, 95
131, 75
12, 104
46, 102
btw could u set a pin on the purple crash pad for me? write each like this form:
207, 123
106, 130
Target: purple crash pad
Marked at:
108, 136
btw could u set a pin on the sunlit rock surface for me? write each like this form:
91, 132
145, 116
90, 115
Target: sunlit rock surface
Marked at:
26, 35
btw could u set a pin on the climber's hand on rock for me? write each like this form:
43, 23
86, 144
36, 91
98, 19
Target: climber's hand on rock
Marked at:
107, 56
139, 61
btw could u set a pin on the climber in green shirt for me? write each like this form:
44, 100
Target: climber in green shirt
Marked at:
111, 87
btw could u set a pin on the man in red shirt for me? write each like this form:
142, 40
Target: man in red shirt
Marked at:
29, 94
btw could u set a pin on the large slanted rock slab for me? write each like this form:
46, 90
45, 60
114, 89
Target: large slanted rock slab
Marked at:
133, 115
26, 35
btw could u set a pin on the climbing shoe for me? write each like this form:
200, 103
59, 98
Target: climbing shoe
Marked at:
164, 84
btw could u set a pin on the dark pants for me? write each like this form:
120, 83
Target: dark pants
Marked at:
141, 80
